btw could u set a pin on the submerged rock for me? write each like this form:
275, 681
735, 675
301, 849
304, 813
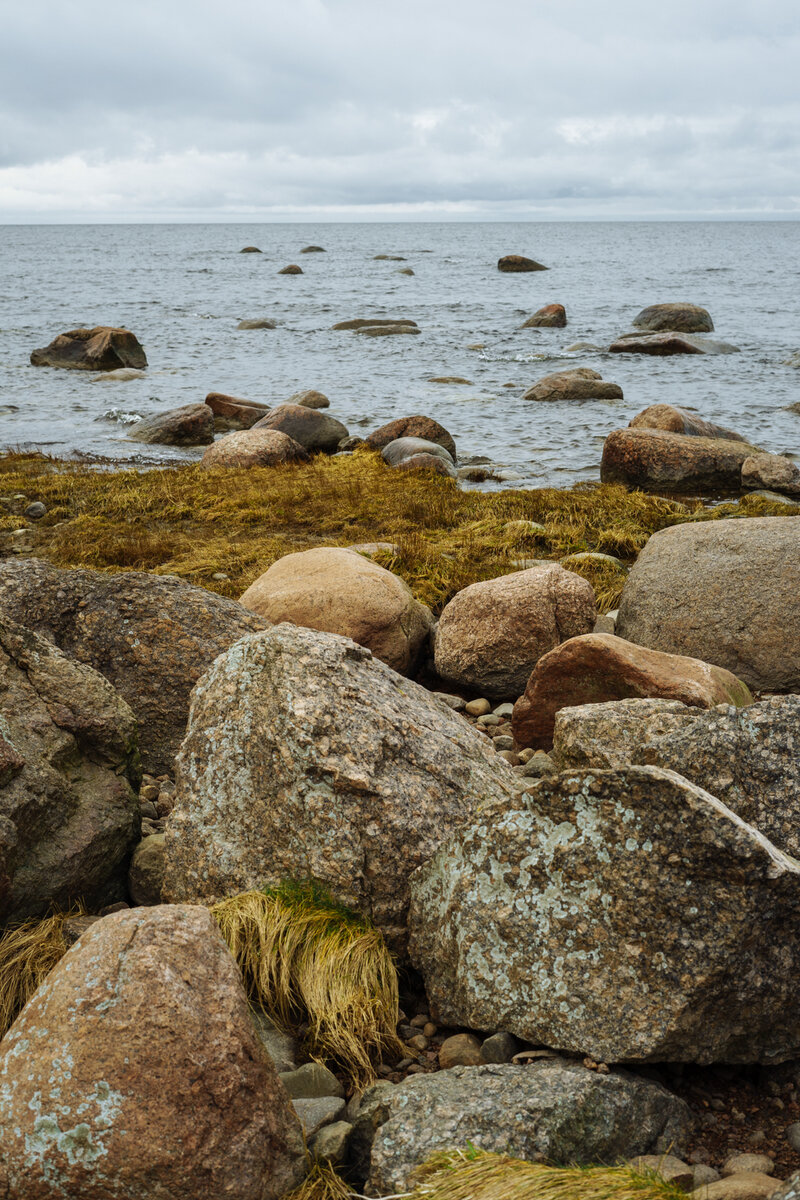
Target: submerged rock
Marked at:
100, 349
656, 460
313, 250
257, 323
552, 316
518, 262
418, 426
191, 425
680, 318
316, 431
254, 448
579, 383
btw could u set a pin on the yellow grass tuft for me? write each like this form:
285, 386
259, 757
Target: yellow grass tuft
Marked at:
28, 953
308, 960
321, 1183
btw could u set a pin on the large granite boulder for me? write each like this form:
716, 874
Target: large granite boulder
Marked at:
191, 425
340, 591
599, 667
554, 1110
681, 318
672, 419
315, 431
69, 815
151, 636
306, 757
492, 634
746, 757
657, 460
136, 1072
722, 591
773, 471
578, 383
100, 349
417, 426
254, 448
628, 915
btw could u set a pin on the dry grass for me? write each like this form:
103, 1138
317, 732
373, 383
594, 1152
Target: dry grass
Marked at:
321, 1183
28, 953
309, 961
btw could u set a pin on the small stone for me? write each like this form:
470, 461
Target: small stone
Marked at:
460, 1050
149, 791
749, 1164
508, 756
419, 1020
527, 754
499, 1048
757, 1137
504, 742
73, 927
404, 1064
793, 1136
314, 1113
749, 1186
457, 703
487, 720
148, 809
477, 708
35, 511
220, 575
419, 1042
538, 765
311, 1081
330, 1144
430, 1029
503, 710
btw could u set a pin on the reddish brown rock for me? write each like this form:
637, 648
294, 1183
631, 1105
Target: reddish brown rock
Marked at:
671, 419
552, 316
679, 318
518, 262
654, 343
413, 427
314, 430
191, 425
579, 383
599, 667
254, 448
136, 1072
232, 413
672, 462
292, 269
100, 349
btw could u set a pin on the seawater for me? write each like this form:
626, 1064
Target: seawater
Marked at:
183, 289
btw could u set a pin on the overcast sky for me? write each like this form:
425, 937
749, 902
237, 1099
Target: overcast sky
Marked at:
428, 109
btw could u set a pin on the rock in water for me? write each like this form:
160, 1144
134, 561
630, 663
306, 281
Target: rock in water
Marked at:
773, 471
672, 462
100, 349
69, 817
314, 430
492, 634
746, 757
552, 316
135, 1071
722, 591
254, 448
554, 1110
152, 636
680, 318
672, 419
339, 591
423, 428
626, 914
518, 262
579, 383
232, 413
191, 425
662, 344
306, 757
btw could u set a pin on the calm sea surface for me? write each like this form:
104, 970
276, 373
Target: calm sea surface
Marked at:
182, 289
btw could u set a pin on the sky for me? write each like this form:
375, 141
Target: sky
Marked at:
236, 110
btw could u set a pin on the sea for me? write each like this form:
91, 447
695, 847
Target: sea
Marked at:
183, 289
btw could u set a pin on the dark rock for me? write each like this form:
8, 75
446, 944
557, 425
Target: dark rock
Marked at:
257, 323
100, 349
669, 343
518, 262
316, 431
292, 269
250, 250
386, 330
424, 428
313, 250
146, 874
191, 425
678, 318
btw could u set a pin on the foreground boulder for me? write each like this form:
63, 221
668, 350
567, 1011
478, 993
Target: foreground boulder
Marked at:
773, 471
136, 1072
492, 634
579, 383
69, 815
315, 431
340, 591
191, 425
628, 915
306, 757
672, 462
681, 318
232, 413
722, 591
552, 316
518, 262
599, 667
672, 419
151, 636
745, 757
554, 1110
424, 428
100, 349
254, 448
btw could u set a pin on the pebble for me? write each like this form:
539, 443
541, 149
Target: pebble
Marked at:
314, 1113
793, 1136
504, 742
504, 710
508, 756
120, 906
149, 791
419, 1042
220, 575
485, 720
477, 708
330, 1144
526, 754
702, 1175
430, 1029
311, 1081
499, 1048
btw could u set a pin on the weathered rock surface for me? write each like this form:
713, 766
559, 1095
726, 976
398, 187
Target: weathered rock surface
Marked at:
681, 420
773, 471
310, 399
365, 322
722, 591
553, 1110
492, 634
669, 343
748, 758
306, 757
423, 428
232, 413
518, 262
599, 667
69, 817
789, 1189
404, 447
254, 448
680, 318
377, 331
579, 383
146, 875
257, 323
628, 915
151, 636
100, 349
316, 431
135, 1073
657, 460
191, 425
338, 591
552, 316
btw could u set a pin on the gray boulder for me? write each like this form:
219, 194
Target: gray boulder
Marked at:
191, 425
315, 431
402, 448
722, 591
307, 757
554, 1110
625, 914
682, 318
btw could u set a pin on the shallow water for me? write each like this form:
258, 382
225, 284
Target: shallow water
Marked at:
183, 288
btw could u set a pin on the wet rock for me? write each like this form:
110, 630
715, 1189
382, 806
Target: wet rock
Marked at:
427, 462
292, 269
492, 634
386, 330
418, 427
672, 419
627, 915
669, 343
773, 471
254, 448
518, 262
659, 461
250, 250
599, 667
552, 316
100, 349
338, 591
233, 413
313, 250
310, 399
146, 873
191, 425
365, 322
450, 379
395, 452
678, 318
316, 431
722, 591
137, 1067
308, 758
257, 323
579, 383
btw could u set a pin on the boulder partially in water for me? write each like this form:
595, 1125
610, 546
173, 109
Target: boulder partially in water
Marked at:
656, 460
309, 399
190, 425
672, 419
366, 322
401, 448
103, 348
257, 323
578, 383
773, 471
428, 462
663, 344
230, 412
316, 431
678, 317
552, 316
417, 426
511, 263
292, 269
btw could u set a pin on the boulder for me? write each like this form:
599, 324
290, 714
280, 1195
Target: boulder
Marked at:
655, 460
678, 318
151, 636
339, 591
307, 757
663, 344
628, 915
366, 322
233, 413
579, 383
257, 323
748, 1185
554, 1110
191, 425
69, 816
428, 462
316, 431
386, 330
313, 250
292, 269
136, 1072
100, 349
672, 419
722, 591
418, 426
745, 757
402, 448
552, 316
254, 448
518, 262
492, 634
249, 250
772, 471
310, 399
146, 874
599, 667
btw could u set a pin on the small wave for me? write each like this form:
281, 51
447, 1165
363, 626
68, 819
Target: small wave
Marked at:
119, 417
